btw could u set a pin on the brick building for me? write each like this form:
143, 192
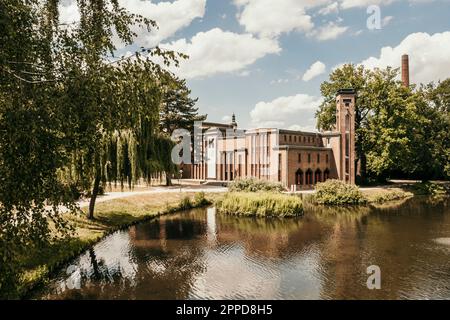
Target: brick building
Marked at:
297, 159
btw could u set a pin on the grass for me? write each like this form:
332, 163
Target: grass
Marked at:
385, 195
110, 216
260, 204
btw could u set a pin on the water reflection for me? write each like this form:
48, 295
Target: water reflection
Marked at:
323, 255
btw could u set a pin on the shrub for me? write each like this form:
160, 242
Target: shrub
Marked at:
430, 188
388, 195
200, 200
255, 185
262, 204
336, 192
185, 204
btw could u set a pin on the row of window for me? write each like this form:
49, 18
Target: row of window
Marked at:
304, 139
318, 158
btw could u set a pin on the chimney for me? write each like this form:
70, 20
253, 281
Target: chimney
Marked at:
405, 70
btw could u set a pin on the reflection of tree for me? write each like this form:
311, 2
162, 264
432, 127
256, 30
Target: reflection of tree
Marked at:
397, 239
169, 255
271, 237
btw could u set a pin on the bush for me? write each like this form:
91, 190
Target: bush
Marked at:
336, 192
262, 204
185, 204
200, 200
255, 185
430, 188
388, 195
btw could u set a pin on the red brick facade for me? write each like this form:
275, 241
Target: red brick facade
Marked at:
296, 159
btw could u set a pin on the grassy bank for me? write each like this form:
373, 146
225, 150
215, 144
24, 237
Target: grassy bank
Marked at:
385, 195
337, 193
110, 216
260, 204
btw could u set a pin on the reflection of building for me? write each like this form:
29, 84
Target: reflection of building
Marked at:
297, 159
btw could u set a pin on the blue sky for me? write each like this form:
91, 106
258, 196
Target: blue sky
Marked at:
250, 56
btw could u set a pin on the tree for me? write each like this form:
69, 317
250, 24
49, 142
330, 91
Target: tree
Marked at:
31, 140
63, 107
177, 107
396, 127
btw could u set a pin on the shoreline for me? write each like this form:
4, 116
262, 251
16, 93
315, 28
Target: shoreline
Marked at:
112, 208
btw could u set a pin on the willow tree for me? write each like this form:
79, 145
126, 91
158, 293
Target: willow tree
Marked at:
115, 101
63, 95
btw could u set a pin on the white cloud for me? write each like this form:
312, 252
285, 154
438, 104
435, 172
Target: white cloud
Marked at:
226, 119
269, 18
170, 17
68, 12
279, 81
331, 8
429, 56
329, 31
217, 51
286, 112
347, 4
316, 69
386, 20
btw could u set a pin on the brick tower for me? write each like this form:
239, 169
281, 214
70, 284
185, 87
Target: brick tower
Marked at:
405, 70
345, 126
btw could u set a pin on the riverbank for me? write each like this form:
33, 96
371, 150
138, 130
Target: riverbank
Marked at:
110, 216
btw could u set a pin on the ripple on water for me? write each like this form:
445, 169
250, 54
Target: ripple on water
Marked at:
443, 241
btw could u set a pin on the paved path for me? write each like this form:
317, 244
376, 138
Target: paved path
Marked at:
184, 189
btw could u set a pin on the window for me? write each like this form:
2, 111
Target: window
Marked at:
309, 139
299, 157
326, 158
285, 138
290, 138
304, 139
309, 157
279, 167
318, 158
295, 138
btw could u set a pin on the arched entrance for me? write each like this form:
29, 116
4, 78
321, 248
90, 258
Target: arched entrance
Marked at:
326, 175
318, 176
299, 177
309, 177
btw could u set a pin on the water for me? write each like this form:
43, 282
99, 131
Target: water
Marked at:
323, 255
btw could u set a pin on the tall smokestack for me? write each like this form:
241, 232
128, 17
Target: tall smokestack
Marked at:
405, 70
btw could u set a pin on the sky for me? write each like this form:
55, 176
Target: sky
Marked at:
264, 60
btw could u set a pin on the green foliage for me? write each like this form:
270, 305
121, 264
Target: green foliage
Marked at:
177, 107
185, 203
336, 192
430, 188
261, 204
200, 199
388, 195
71, 116
254, 185
399, 131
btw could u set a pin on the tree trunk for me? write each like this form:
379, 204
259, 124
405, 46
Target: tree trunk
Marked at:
168, 180
95, 191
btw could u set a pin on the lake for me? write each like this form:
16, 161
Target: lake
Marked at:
325, 254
